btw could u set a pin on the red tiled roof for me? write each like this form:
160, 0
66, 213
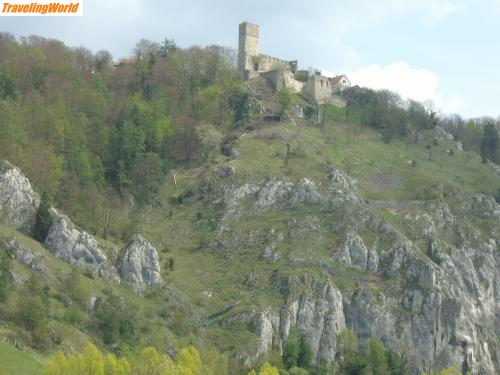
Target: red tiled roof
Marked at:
336, 79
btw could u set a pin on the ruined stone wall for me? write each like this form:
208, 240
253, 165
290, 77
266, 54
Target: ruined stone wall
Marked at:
268, 63
318, 88
283, 78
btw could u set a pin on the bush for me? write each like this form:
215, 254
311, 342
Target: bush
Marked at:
43, 219
33, 311
114, 320
5, 277
302, 75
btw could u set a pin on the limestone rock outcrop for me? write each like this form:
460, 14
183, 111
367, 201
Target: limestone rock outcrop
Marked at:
23, 254
429, 284
78, 247
139, 264
279, 193
18, 201
355, 254
313, 307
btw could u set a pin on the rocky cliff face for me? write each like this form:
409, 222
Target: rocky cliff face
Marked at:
139, 264
78, 247
429, 287
18, 201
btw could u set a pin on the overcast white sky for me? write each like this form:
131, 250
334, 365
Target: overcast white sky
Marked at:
447, 51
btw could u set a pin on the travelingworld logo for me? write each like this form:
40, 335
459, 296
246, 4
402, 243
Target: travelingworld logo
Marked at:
42, 8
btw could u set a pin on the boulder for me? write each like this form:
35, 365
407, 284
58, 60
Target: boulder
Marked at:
23, 254
78, 247
354, 253
18, 201
139, 264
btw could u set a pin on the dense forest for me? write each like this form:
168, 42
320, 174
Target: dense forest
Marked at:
83, 128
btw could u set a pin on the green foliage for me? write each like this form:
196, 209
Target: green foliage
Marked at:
347, 341
489, 143
305, 354
298, 371
376, 359
284, 100
397, 364
292, 350
297, 352
71, 121
5, 276
33, 311
302, 75
7, 85
188, 361
387, 112
153, 363
239, 103
168, 47
267, 369
447, 371
42, 219
149, 362
114, 320
497, 195
90, 362
353, 364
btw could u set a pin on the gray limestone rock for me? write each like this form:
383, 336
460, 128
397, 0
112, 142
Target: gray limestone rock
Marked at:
354, 253
23, 254
78, 247
139, 265
18, 201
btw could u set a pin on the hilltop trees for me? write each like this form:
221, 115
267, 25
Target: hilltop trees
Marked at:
75, 123
489, 143
388, 112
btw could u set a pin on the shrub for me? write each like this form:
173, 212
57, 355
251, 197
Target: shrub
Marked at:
43, 219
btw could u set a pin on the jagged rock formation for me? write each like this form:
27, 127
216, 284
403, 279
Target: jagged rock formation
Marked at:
429, 287
444, 308
139, 264
78, 247
18, 201
279, 193
354, 253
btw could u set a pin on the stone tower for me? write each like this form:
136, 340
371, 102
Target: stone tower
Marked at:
248, 50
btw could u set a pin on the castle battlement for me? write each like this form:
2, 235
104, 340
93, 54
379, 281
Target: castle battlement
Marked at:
281, 73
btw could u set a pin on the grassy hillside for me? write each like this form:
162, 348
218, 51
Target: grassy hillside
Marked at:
14, 361
207, 286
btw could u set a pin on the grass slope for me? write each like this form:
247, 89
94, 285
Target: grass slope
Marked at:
16, 362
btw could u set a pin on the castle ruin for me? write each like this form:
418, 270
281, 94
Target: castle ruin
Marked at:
281, 73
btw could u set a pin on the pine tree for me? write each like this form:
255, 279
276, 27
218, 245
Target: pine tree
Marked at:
292, 350
305, 354
376, 360
489, 143
43, 219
